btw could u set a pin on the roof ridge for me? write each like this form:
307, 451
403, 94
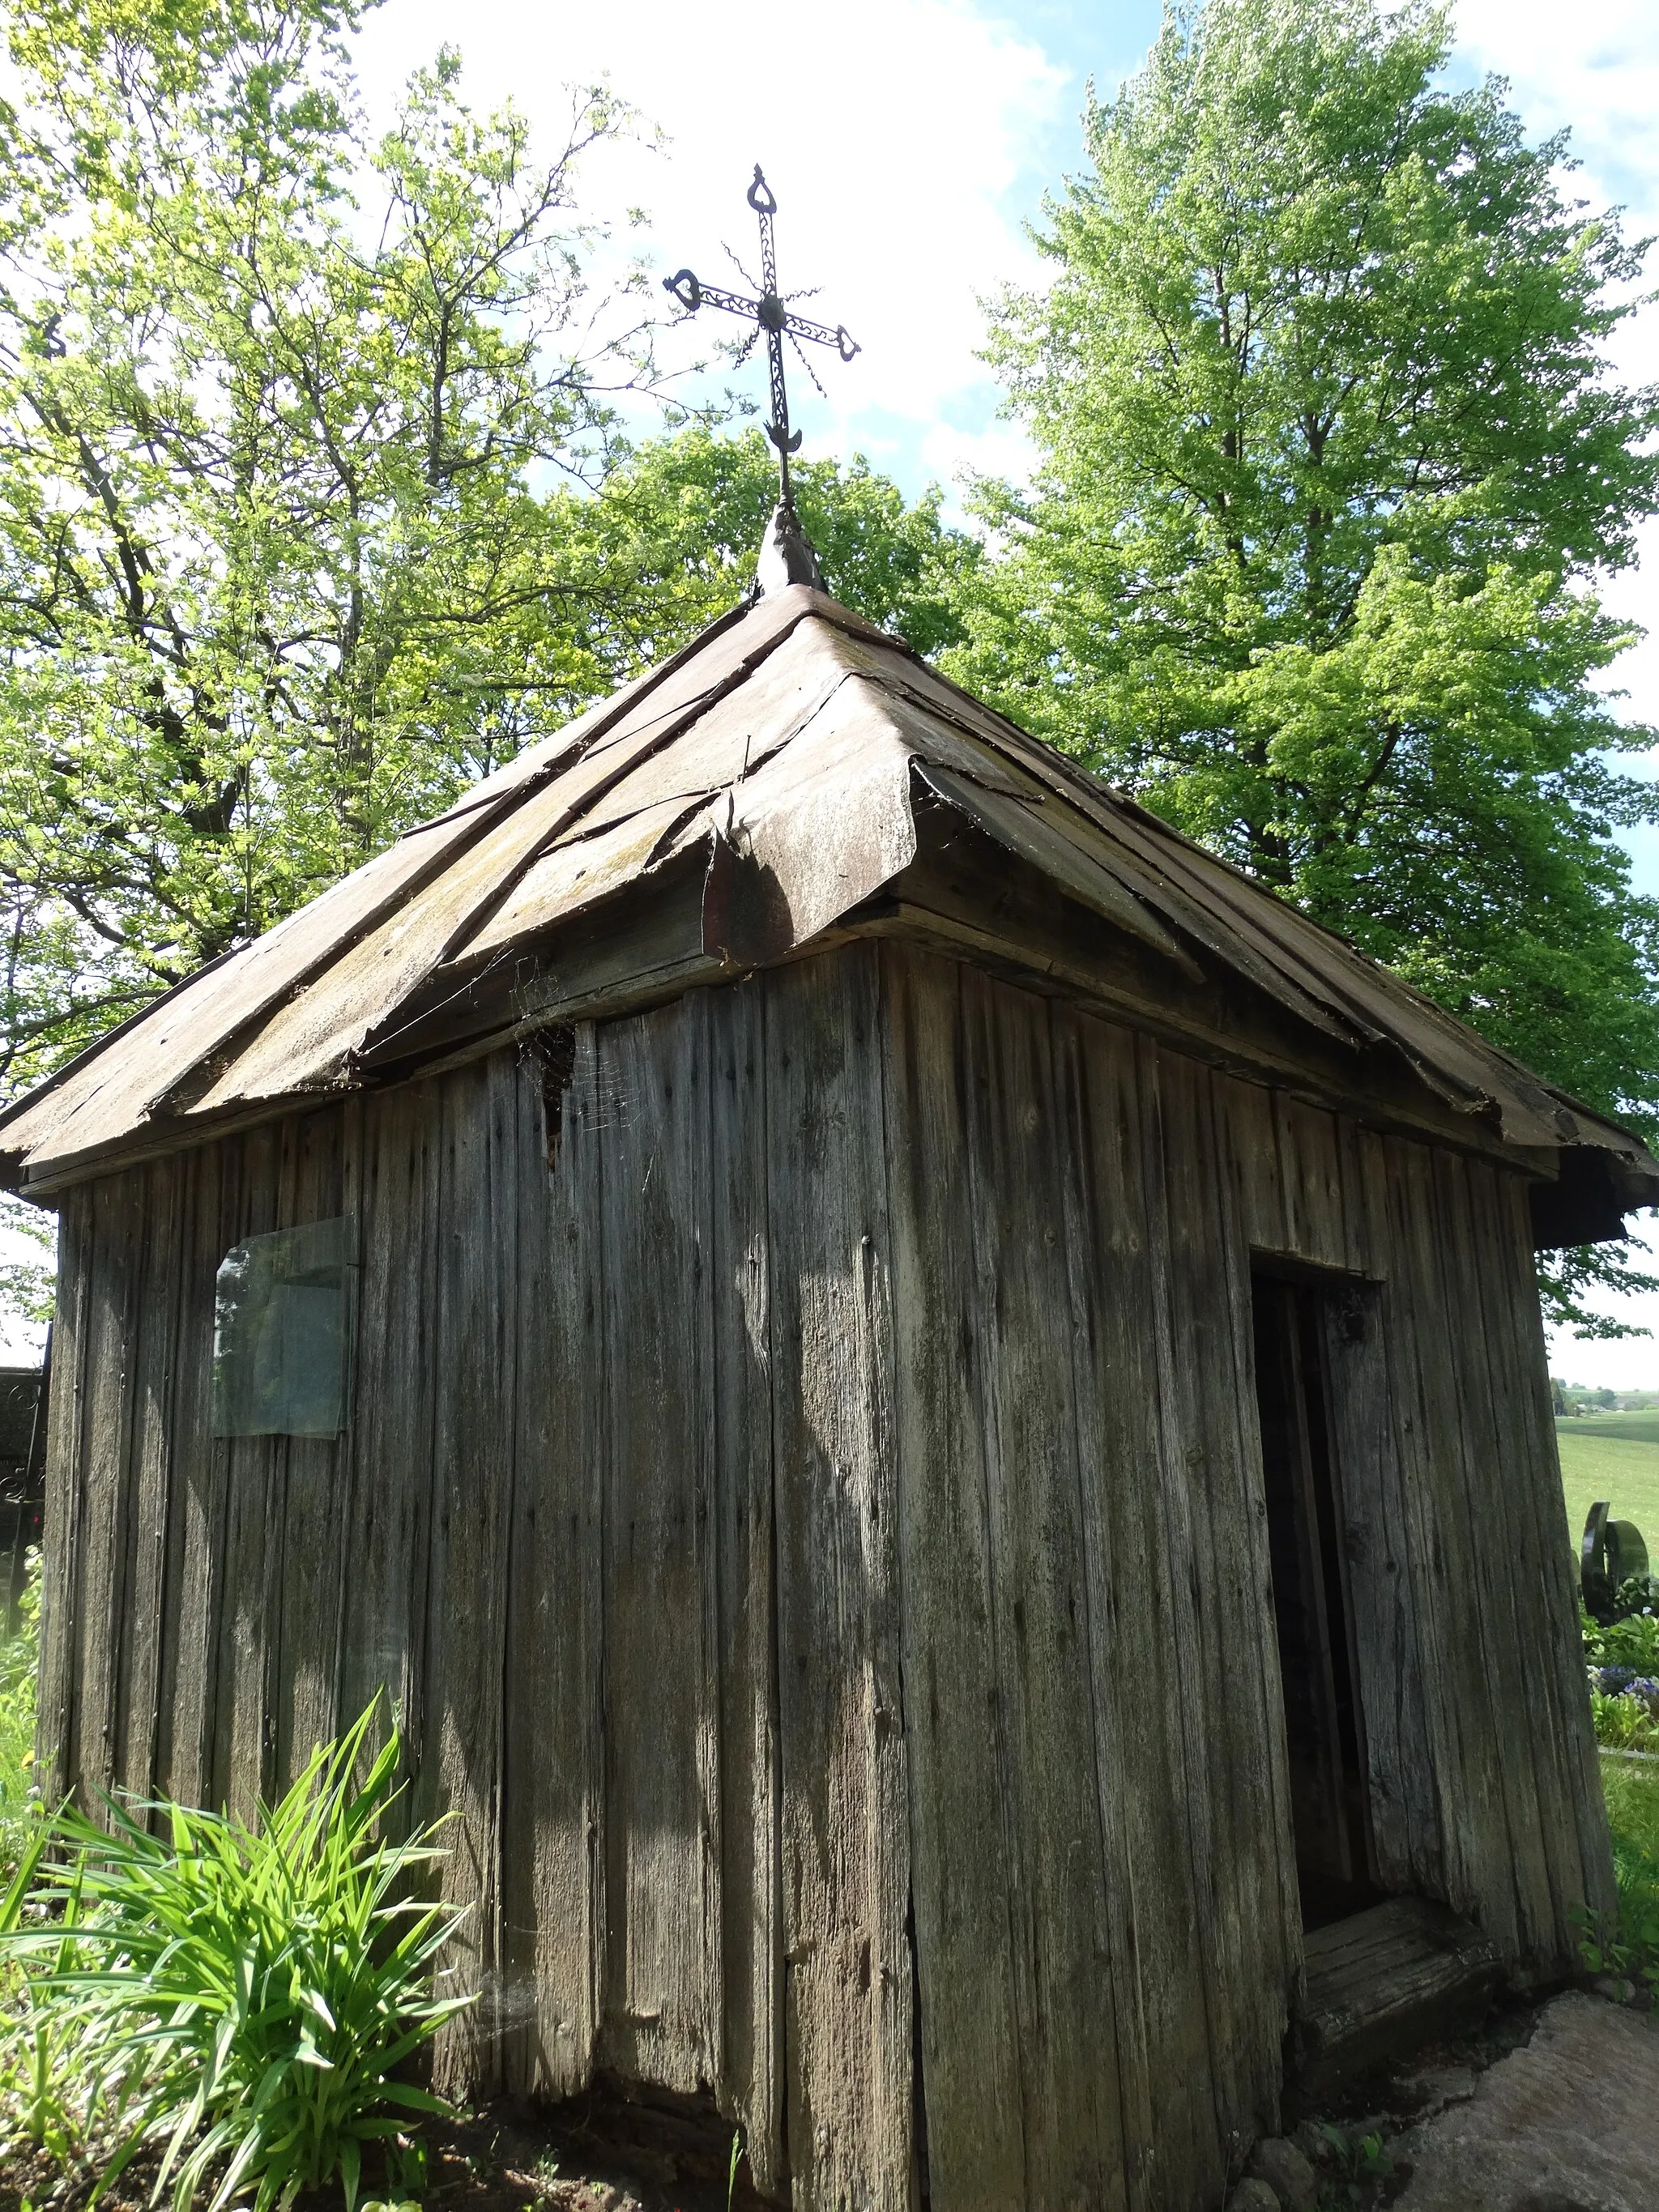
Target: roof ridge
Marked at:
674, 722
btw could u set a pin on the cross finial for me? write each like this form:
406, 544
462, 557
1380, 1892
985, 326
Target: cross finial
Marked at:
772, 314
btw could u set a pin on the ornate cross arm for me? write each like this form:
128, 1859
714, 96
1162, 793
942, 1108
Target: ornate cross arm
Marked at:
771, 314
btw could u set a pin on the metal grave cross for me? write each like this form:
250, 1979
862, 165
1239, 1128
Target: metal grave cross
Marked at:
772, 314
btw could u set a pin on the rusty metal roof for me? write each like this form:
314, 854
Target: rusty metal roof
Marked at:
786, 759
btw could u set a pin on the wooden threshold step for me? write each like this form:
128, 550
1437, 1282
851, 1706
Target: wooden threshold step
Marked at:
1404, 1973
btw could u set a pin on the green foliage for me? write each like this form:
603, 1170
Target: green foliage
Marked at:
1570, 1278
1359, 2161
1623, 1723
1623, 1658
1631, 1792
682, 517
28, 1288
314, 502
240, 1999
406, 2169
1578, 1398
38, 2106
1330, 456
20, 1666
1632, 1641
272, 397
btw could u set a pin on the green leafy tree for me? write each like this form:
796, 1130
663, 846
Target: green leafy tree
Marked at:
314, 502
1330, 461
273, 405
682, 517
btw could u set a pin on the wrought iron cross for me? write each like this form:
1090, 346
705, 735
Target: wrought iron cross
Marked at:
770, 313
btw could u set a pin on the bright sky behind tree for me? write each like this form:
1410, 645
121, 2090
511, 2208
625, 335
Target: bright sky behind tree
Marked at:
909, 141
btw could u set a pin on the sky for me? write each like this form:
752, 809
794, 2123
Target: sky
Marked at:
909, 143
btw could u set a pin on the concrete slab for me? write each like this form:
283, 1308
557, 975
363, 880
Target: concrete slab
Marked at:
1569, 2123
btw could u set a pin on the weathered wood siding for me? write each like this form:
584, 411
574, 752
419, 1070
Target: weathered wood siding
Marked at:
803, 1495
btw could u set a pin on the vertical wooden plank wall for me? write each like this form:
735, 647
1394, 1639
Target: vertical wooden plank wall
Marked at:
185, 1627
975, 2100
752, 1967
802, 1500
473, 1478
849, 2057
550, 1536
1099, 1887
1124, 1501
386, 1528
63, 1625
553, 1883
661, 1983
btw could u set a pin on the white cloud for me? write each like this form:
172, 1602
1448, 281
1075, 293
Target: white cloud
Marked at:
1593, 71
904, 139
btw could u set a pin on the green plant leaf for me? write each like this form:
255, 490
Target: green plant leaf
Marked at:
238, 1996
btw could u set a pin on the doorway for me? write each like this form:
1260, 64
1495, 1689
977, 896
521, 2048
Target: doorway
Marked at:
1324, 1726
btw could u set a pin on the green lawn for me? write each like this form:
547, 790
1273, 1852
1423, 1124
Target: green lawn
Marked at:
1615, 1456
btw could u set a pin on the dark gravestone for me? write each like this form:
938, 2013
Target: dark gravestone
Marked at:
1610, 1554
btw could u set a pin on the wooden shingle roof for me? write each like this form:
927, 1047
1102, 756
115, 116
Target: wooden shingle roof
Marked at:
793, 774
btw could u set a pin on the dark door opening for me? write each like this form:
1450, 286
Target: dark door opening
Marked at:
1324, 1727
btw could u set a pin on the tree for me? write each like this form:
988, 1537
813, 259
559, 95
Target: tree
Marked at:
1330, 458
682, 517
271, 404
314, 499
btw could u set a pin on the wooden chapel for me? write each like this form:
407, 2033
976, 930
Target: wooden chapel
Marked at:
930, 1408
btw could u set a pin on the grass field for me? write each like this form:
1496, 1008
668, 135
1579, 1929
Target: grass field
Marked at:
1615, 1456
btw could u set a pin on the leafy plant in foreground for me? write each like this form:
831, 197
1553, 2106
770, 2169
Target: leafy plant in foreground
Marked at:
1626, 1716
1623, 1664
1361, 2160
1632, 1800
240, 1998
1631, 1642
36, 2063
